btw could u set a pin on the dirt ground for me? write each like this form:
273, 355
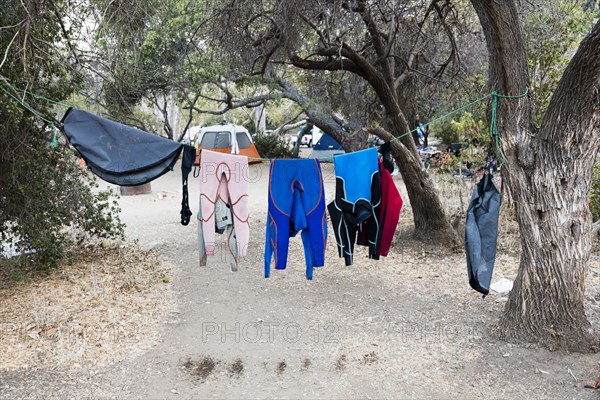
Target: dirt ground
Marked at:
406, 326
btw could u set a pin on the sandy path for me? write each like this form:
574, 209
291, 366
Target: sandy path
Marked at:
406, 326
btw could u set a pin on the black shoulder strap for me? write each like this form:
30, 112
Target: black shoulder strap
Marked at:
386, 154
189, 154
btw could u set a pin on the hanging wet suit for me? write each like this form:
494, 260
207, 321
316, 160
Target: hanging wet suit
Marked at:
223, 177
118, 153
296, 203
481, 233
356, 207
389, 213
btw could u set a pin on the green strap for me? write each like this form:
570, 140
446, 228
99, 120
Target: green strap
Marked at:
16, 89
414, 130
28, 108
37, 114
445, 115
54, 136
494, 124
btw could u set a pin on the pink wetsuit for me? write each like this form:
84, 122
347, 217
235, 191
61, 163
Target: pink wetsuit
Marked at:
224, 176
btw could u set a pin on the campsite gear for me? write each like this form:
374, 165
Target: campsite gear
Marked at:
422, 134
357, 201
296, 203
118, 153
189, 154
481, 233
224, 176
223, 222
309, 134
391, 204
326, 148
225, 138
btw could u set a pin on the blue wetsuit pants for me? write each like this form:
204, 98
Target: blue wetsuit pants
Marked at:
296, 203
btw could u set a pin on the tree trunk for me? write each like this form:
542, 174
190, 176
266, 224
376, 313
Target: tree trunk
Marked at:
304, 131
429, 215
406, 93
548, 172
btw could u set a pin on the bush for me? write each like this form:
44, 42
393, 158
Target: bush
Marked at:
271, 146
46, 202
467, 128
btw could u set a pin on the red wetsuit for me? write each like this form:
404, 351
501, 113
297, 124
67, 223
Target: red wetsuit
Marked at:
391, 204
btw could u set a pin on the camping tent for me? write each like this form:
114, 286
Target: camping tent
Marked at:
224, 138
326, 148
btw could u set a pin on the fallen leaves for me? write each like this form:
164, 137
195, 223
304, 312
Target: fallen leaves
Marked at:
106, 304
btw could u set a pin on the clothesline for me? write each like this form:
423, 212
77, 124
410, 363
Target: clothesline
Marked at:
365, 213
493, 120
31, 110
411, 131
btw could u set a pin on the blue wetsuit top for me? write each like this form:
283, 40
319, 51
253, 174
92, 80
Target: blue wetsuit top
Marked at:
357, 202
356, 171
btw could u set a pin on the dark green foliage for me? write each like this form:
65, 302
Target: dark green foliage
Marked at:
553, 30
45, 199
46, 202
271, 146
463, 127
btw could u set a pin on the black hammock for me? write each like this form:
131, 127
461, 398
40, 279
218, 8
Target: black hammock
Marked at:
118, 153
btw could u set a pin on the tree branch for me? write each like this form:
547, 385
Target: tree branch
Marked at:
253, 101
288, 126
454, 48
325, 65
64, 31
8, 48
190, 116
378, 41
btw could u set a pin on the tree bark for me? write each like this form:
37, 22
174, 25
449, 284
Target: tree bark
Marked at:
305, 131
548, 172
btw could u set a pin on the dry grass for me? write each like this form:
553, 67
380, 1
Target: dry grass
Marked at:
108, 304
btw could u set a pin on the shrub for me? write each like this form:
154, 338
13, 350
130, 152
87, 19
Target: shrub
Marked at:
271, 146
47, 202
467, 128
45, 199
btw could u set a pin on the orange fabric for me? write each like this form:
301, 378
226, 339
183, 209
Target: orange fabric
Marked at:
249, 152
